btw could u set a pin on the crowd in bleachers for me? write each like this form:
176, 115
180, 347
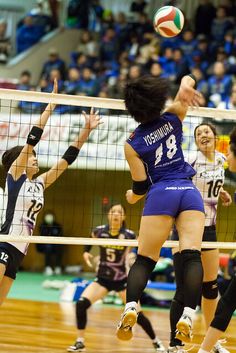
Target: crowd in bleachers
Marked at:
122, 47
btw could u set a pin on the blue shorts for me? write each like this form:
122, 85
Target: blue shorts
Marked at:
171, 197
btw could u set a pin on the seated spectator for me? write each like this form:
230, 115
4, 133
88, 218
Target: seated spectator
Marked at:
26, 85
54, 74
54, 62
180, 65
167, 63
116, 90
71, 85
122, 29
87, 45
25, 81
229, 102
79, 61
156, 70
5, 43
201, 54
220, 25
188, 43
133, 46
52, 252
27, 35
109, 46
88, 84
135, 71
202, 84
219, 84
138, 6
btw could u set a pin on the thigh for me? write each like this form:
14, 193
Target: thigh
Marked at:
94, 292
5, 286
190, 227
154, 230
210, 263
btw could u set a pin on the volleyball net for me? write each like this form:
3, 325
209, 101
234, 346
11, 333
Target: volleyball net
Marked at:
81, 197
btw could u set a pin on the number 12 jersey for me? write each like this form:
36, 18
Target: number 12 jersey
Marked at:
23, 200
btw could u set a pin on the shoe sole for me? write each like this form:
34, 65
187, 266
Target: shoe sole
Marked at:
184, 332
124, 332
77, 350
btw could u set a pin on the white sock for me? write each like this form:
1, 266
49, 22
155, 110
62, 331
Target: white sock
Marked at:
202, 351
189, 312
80, 339
131, 305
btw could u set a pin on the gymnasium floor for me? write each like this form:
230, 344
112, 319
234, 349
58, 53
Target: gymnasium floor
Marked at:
37, 322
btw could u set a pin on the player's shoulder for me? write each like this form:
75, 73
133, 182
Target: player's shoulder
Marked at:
129, 234
220, 156
100, 231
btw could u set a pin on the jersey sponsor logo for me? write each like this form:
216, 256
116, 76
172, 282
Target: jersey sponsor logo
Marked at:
117, 247
179, 188
158, 134
209, 174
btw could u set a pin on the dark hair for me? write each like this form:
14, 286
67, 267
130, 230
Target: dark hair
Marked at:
145, 97
9, 156
212, 127
232, 141
26, 73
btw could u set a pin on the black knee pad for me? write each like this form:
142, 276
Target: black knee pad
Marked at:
189, 254
210, 289
81, 312
223, 314
146, 261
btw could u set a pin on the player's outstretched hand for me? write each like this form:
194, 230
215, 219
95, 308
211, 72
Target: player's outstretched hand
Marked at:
88, 258
92, 120
190, 96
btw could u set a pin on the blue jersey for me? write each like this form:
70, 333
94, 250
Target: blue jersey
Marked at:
158, 144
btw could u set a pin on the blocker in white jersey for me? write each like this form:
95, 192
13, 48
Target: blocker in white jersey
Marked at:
209, 179
24, 193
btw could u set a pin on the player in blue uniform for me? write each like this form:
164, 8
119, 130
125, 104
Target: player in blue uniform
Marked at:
209, 179
25, 194
159, 171
111, 275
227, 303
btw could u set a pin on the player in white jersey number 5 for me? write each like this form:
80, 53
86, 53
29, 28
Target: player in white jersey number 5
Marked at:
24, 193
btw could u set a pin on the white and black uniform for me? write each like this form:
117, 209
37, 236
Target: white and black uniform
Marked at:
209, 178
23, 200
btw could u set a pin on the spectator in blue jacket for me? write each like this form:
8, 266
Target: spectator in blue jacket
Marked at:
28, 34
219, 83
54, 62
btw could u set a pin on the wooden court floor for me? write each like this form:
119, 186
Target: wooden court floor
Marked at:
30, 327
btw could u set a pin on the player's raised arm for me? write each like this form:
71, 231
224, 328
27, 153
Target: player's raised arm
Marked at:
20, 164
92, 120
186, 96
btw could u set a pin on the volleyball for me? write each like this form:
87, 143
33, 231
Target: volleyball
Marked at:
168, 21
